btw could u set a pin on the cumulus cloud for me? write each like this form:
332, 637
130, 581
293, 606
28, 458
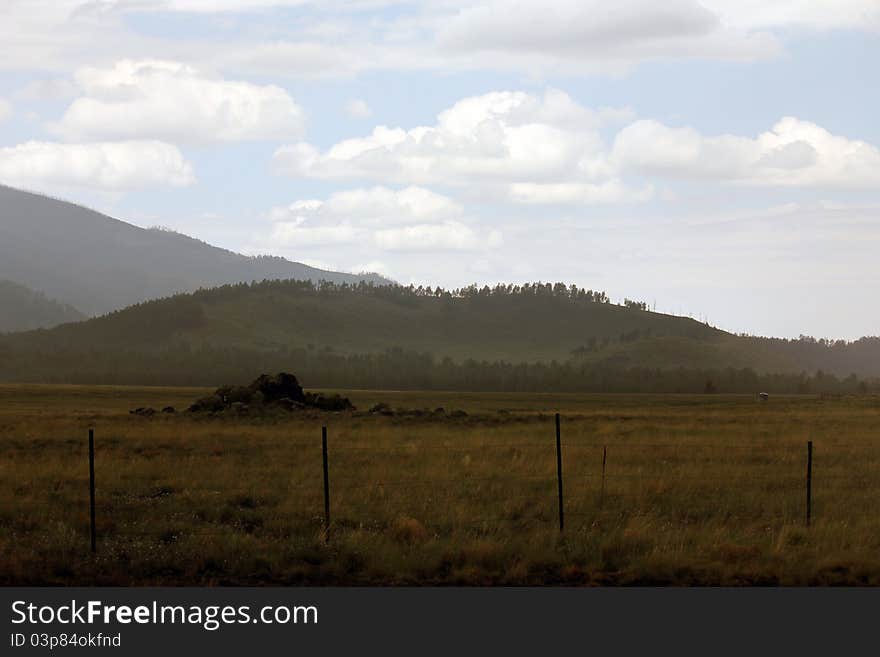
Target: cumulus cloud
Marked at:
591, 35
174, 102
594, 37
573, 25
794, 153
510, 141
375, 205
109, 166
548, 149
409, 219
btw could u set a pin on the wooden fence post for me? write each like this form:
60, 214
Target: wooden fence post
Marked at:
809, 481
326, 484
92, 529
559, 473
604, 459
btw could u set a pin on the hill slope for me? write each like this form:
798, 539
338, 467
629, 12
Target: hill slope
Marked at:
272, 315
99, 264
232, 333
22, 309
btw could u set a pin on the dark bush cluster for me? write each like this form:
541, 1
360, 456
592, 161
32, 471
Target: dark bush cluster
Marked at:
280, 390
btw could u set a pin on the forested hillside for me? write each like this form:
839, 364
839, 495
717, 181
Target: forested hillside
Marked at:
533, 336
23, 309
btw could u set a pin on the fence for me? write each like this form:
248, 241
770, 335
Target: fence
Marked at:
598, 483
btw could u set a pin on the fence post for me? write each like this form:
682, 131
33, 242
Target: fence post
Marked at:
604, 459
809, 481
559, 473
326, 484
92, 530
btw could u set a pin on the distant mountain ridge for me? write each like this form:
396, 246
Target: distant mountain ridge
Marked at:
392, 336
23, 309
98, 264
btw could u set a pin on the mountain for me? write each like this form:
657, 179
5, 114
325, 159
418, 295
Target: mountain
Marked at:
98, 264
23, 309
271, 315
536, 336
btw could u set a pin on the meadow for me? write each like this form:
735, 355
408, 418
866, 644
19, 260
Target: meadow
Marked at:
698, 490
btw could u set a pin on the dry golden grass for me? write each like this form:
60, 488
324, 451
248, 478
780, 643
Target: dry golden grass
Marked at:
699, 490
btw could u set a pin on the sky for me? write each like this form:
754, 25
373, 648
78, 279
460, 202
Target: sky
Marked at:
718, 159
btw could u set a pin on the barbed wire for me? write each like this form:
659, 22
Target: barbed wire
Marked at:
591, 492
610, 441
278, 494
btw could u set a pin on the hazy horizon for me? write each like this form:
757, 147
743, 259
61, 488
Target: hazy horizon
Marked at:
714, 159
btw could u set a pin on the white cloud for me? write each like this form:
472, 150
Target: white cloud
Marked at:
575, 25
793, 153
747, 13
410, 203
549, 150
369, 208
5, 109
48, 89
498, 139
327, 41
535, 36
99, 166
170, 101
578, 36
410, 219
358, 109
447, 236
227, 6
341, 39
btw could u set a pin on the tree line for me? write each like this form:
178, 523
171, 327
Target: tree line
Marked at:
399, 369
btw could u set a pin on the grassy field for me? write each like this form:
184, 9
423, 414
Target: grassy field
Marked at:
698, 490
